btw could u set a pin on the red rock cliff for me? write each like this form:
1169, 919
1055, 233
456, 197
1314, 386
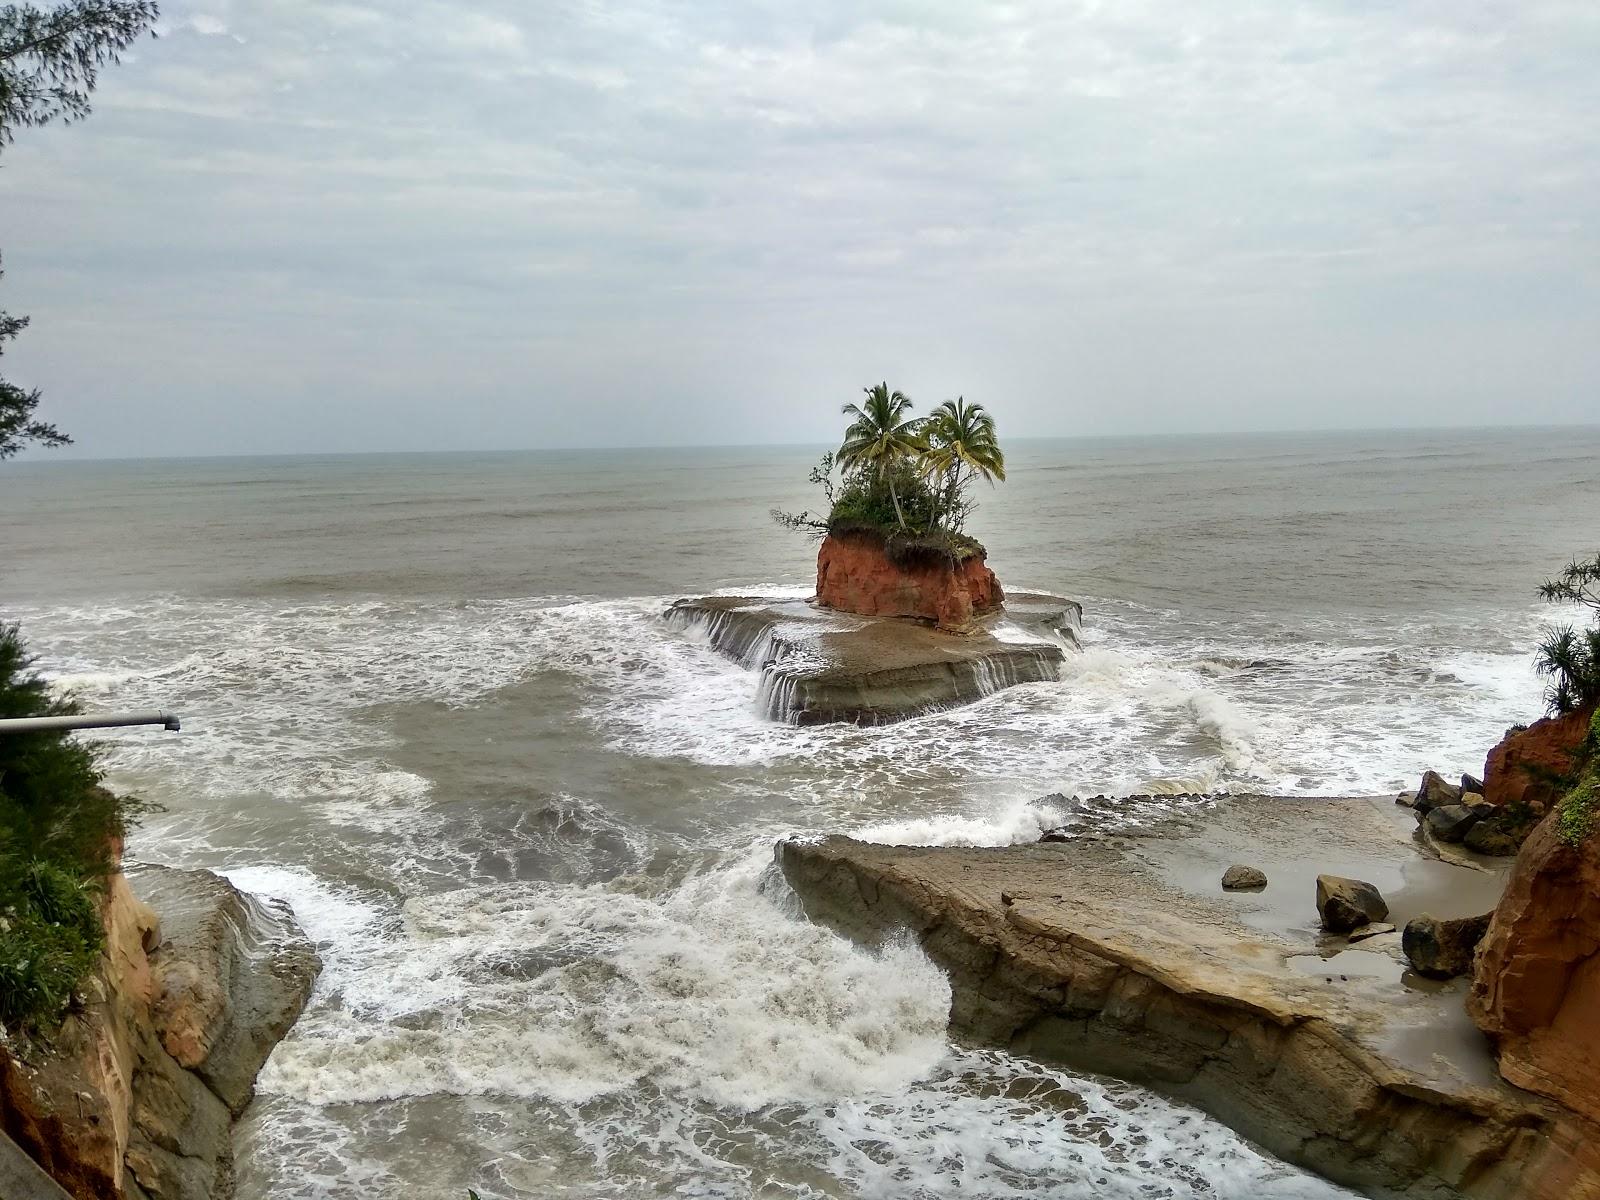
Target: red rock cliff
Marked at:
1536, 982
1519, 769
855, 574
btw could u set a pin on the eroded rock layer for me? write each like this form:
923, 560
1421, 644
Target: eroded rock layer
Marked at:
1119, 959
1536, 982
137, 1093
1534, 765
856, 574
819, 666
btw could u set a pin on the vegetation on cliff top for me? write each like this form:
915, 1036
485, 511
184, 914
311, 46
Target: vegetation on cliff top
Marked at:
906, 480
1568, 657
58, 833
1580, 807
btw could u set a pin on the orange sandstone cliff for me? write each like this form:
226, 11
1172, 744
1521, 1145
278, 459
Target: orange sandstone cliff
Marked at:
136, 1093
856, 574
1524, 767
1536, 980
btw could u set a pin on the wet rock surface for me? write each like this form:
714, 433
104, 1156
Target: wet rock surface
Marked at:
818, 666
1123, 957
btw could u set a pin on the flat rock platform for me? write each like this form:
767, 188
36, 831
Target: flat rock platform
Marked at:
1120, 953
818, 665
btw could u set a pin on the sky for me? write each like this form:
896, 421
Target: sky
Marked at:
313, 226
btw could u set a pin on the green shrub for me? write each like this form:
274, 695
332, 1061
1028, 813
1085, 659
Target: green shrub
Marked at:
1580, 807
58, 826
1570, 658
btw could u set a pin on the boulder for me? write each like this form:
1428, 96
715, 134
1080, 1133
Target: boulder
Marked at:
1470, 783
1240, 878
1433, 792
1500, 833
857, 573
1452, 822
1536, 983
1528, 765
1442, 949
1346, 904
1406, 799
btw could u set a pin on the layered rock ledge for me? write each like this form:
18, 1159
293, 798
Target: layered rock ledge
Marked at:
818, 665
1123, 955
136, 1094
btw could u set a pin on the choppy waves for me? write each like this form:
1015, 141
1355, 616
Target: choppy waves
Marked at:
597, 968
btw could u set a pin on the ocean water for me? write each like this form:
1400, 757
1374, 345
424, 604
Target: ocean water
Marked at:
429, 700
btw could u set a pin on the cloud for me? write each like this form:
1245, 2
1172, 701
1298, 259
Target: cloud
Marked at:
707, 222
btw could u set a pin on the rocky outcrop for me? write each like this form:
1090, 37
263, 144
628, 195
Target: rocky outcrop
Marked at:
1536, 984
1443, 949
1346, 904
856, 573
1534, 766
819, 666
1094, 953
136, 1094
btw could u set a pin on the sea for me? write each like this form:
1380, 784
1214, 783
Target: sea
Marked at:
429, 700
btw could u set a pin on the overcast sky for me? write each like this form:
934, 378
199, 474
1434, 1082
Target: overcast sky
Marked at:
302, 225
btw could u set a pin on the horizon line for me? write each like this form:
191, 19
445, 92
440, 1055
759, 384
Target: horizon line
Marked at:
34, 458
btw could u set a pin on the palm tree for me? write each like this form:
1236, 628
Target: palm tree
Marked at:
881, 437
962, 446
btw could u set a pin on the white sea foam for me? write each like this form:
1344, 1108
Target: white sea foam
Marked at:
1011, 823
573, 993
687, 1017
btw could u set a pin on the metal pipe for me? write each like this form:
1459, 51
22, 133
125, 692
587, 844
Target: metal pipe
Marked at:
88, 721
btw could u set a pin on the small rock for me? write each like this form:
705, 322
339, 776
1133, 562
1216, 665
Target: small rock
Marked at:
1443, 949
1406, 799
1055, 835
1346, 904
1471, 783
1434, 792
1239, 878
1475, 800
1452, 822
1005, 898
1369, 931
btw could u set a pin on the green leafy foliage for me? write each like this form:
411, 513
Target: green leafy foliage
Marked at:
58, 826
1569, 657
1581, 806
18, 425
906, 480
50, 58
